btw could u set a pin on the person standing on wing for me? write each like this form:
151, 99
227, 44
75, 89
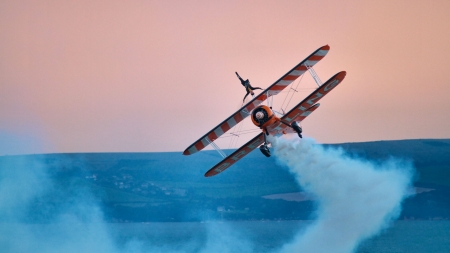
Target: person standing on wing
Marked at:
247, 86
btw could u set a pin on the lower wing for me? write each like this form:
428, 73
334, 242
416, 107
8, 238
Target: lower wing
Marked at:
236, 155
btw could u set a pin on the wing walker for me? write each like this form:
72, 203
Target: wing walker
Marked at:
264, 117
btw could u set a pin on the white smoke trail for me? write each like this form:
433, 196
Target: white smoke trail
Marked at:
356, 198
75, 223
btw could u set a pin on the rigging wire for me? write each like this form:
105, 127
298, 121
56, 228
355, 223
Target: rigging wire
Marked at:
289, 92
235, 129
285, 98
294, 91
299, 89
234, 135
249, 130
237, 133
241, 133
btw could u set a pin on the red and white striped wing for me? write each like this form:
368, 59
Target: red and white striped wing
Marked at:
236, 155
297, 71
242, 113
307, 106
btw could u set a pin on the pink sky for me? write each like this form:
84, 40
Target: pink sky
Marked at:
144, 76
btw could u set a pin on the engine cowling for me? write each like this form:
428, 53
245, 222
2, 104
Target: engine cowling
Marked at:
262, 116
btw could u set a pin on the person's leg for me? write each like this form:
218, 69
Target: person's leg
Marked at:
249, 89
255, 88
245, 96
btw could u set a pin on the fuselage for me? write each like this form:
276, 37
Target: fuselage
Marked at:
263, 117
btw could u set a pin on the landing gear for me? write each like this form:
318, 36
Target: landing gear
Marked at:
297, 128
294, 126
265, 148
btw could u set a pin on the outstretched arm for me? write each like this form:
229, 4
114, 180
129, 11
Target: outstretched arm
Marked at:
242, 80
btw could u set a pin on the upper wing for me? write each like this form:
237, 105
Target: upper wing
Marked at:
236, 156
307, 106
273, 89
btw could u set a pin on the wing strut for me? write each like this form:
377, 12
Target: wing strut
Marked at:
314, 75
216, 148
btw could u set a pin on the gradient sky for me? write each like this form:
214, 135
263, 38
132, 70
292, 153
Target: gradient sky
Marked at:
140, 76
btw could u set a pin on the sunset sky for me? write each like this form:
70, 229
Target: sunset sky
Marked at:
147, 76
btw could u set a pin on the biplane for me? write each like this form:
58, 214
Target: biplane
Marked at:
269, 121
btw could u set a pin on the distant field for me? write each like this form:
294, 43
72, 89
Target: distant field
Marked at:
434, 174
431, 158
254, 175
157, 185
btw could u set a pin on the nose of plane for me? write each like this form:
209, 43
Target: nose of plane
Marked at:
259, 115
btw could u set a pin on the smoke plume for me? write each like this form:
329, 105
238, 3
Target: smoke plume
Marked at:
356, 198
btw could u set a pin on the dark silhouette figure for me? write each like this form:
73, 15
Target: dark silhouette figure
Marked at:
247, 86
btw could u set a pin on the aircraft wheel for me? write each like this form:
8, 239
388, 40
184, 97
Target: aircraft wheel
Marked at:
265, 150
297, 128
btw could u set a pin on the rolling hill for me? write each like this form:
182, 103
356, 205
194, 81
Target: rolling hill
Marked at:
171, 187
